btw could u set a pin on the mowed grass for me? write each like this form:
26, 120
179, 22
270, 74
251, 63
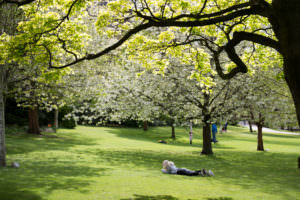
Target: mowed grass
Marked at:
91, 163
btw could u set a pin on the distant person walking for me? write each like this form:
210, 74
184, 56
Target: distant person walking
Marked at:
224, 129
214, 131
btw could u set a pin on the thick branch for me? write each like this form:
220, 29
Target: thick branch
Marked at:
256, 38
241, 67
18, 2
230, 50
219, 13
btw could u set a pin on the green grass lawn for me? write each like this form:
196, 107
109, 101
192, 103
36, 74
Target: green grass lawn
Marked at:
91, 163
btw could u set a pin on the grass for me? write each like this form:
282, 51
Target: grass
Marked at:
124, 164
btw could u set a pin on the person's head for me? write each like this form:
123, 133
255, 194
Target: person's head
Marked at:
165, 164
170, 163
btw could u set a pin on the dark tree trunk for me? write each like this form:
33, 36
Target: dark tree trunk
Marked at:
260, 143
250, 126
145, 125
191, 132
9, 16
285, 22
2, 120
56, 112
33, 121
173, 136
206, 148
292, 76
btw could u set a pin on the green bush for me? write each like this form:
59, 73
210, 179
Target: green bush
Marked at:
66, 123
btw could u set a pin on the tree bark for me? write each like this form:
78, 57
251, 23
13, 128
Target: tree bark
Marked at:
8, 23
285, 22
2, 119
173, 136
56, 112
260, 143
191, 132
250, 126
145, 125
206, 148
33, 117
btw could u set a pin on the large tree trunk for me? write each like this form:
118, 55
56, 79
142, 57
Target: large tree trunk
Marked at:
173, 136
292, 76
9, 20
260, 143
285, 23
206, 148
2, 120
145, 126
33, 117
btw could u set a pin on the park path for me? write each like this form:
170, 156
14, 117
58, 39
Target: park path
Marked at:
254, 127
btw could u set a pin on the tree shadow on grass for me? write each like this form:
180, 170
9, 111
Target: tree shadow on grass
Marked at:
247, 169
167, 197
146, 197
15, 194
267, 141
47, 176
154, 135
25, 143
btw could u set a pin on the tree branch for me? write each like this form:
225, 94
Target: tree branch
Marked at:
210, 19
108, 49
230, 50
18, 2
256, 38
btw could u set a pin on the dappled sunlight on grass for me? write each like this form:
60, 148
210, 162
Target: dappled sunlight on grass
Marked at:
124, 163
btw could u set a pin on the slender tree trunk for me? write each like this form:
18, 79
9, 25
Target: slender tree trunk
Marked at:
56, 112
206, 148
260, 143
2, 120
173, 136
145, 125
191, 132
250, 126
285, 22
33, 121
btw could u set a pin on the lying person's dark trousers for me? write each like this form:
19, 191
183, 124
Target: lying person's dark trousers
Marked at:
182, 171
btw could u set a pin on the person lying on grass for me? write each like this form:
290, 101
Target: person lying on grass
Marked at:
170, 168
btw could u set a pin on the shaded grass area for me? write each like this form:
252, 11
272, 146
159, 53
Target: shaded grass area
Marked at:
124, 163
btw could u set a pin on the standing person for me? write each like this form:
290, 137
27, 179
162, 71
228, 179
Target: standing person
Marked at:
225, 126
214, 131
224, 129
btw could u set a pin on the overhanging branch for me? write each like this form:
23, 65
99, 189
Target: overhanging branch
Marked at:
234, 57
253, 37
108, 49
228, 14
17, 2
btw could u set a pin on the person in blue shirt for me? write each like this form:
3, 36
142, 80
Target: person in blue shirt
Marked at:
225, 127
214, 131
